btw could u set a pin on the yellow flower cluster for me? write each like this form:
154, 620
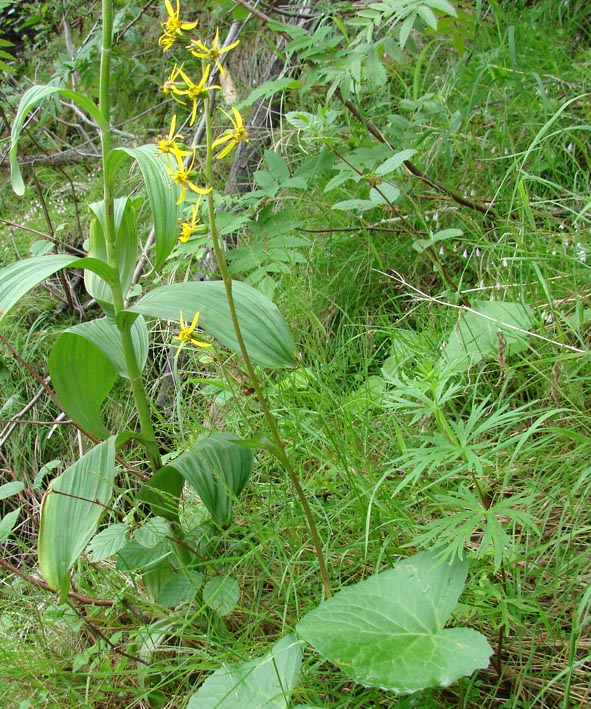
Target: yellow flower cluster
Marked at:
193, 95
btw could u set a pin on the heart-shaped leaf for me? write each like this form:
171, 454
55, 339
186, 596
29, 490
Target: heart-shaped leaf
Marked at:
388, 631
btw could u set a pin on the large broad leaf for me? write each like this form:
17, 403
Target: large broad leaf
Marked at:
31, 98
126, 247
162, 195
71, 511
485, 329
19, 278
388, 631
266, 335
82, 377
104, 335
218, 469
265, 682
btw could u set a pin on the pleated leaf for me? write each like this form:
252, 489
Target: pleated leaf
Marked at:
126, 247
31, 98
82, 377
218, 469
267, 337
388, 631
19, 278
71, 511
104, 335
162, 195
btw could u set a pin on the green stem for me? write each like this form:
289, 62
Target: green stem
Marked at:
123, 324
280, 452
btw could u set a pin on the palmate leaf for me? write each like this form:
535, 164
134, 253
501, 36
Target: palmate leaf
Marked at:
19, 278
265, 682
266, 335
162, 195
71, 511
388, 631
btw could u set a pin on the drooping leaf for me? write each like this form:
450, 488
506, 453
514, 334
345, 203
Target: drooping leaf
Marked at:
71, 511
104, 335
163, 492
264, 682
7, 524
20, 277
218, 469
11, 488
267, 337
162, 195
488, 326
31, 98
82, 377
388, 631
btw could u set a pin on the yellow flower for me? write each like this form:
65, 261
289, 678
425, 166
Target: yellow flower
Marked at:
190, 226
237, 135
187, 334
168, 146
184, 175
199, 50
194, 92
173, 27
170, 84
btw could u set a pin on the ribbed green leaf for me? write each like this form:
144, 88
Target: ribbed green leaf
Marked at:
82, 377
104, 335
162, 195
19, 278
29, 100
218, 469
71, 511
267, 337
126, 247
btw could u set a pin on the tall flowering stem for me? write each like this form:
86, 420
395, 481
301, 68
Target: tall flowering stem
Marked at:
219, 250
135, 375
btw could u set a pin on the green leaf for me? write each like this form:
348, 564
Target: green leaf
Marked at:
484, 329
267, 337
11, 488
180, 587
162, 195
134, 556
105, 336
29, 100
388, 631
126, 247
152, 532
218, 468
71, 511
265, 682
20, 277
394, 162
108, 542
7, 524
269, 88
82, 377
221, 594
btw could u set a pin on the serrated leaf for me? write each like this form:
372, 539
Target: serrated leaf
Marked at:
406, 29
82, 377
427, 15
442, 5
221, 594
387, 194
152, 532
71, 511
354, 205
7, 524
265, 682
180, 587
108, 542
267, 337
394, 162
11, 488
134, 556
162, 195
388, 631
